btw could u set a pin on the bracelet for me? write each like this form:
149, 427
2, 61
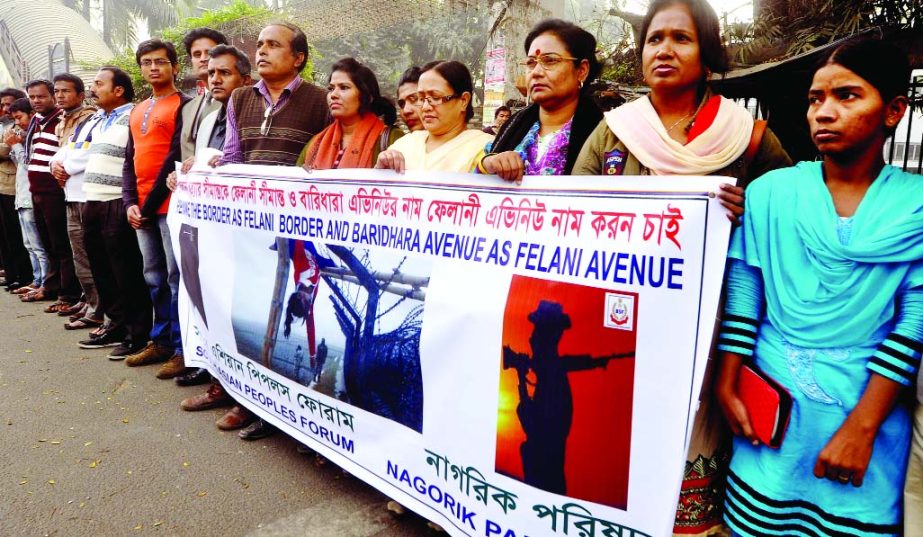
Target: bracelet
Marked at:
481, 167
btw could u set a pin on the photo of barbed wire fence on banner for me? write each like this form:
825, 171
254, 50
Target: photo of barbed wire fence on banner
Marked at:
343, 321
566, 389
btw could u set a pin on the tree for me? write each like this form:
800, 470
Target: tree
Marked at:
120, 17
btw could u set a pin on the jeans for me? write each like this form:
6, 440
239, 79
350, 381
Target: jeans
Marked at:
33, 243
115, 260
75, 231
162, 277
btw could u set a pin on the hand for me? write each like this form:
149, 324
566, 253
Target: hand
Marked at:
507, 165
171, 181
57, 171
213, 162
391, 160
187, 164
732, 198
846, 456
734, 410
134, 217
11, 138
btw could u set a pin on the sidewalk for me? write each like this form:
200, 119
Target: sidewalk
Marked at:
92, 447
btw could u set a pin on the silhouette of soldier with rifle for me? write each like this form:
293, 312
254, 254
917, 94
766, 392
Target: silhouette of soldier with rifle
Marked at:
547, 415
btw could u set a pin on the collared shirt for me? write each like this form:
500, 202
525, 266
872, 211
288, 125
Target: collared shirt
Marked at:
74, 152
232, 151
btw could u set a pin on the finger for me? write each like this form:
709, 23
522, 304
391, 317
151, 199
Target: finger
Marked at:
858, 477
820, 469
748, 432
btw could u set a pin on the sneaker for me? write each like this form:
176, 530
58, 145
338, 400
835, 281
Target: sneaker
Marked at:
173, 367
107, 339
151, 354
125, 349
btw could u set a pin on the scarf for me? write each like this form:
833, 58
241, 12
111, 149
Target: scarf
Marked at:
637, 125
325, 147
819, 292
514, 131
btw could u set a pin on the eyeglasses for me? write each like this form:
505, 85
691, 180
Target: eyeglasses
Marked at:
432, 101
548, 61
267, 121
410, 99
159, 62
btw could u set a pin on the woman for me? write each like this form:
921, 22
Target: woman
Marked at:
545, 137
682, 128
407, 98
444, 104
831, 251
363, 120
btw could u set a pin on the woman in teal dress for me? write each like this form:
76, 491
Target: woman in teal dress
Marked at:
825, 295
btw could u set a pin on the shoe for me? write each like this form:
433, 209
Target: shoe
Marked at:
125, 349
58, 306
12, 286
256, 430
151, 354
235, 418
173, 367
213, 398
81, 323
107, 339
194, 377
24, 289
74, 309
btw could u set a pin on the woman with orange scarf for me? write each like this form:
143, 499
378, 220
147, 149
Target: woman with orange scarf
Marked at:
363, 120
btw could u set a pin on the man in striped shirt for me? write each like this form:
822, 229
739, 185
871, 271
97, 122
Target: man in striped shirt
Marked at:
48, 197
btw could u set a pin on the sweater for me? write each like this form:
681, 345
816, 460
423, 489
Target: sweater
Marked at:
41, 145
102, 180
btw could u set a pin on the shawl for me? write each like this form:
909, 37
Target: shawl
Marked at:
323, 149
514, 131
819, 292
721, 143
460, 154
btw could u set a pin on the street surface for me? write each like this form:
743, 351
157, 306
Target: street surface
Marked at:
91, 447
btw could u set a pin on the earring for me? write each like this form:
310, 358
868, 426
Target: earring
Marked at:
580, 83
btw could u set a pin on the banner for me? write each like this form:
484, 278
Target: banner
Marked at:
505, 360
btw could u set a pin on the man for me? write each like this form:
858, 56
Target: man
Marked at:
153, 146
198, 43
13, 254
74, 135
21, 112
228, 69
270, 123
48, 201
111, 243
500, 116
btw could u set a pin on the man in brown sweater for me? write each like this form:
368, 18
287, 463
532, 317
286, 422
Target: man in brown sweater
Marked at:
270, 123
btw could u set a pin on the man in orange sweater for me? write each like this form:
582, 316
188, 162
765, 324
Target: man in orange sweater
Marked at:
153, 146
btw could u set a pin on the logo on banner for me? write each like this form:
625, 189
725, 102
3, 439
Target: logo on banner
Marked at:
620, 311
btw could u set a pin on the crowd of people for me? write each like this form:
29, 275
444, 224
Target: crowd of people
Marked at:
824, 291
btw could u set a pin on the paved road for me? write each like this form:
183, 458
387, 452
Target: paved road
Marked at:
92, 447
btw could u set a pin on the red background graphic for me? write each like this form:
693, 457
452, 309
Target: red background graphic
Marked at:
599, 444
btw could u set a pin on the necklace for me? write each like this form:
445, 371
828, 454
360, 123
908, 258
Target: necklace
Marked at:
673, 126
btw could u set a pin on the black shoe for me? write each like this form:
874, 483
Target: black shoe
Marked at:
124, 349
194, 377
256, 430
12, 286
107, 339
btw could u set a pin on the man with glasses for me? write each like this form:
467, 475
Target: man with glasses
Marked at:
270, 123
155, 125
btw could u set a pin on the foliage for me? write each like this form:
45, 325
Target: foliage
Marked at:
798, 26
121, 17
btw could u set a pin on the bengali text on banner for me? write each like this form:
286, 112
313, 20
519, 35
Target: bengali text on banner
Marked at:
504, 359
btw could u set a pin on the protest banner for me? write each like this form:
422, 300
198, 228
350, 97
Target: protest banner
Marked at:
505, 360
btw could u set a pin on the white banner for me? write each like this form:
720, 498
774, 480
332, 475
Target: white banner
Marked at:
505, 360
